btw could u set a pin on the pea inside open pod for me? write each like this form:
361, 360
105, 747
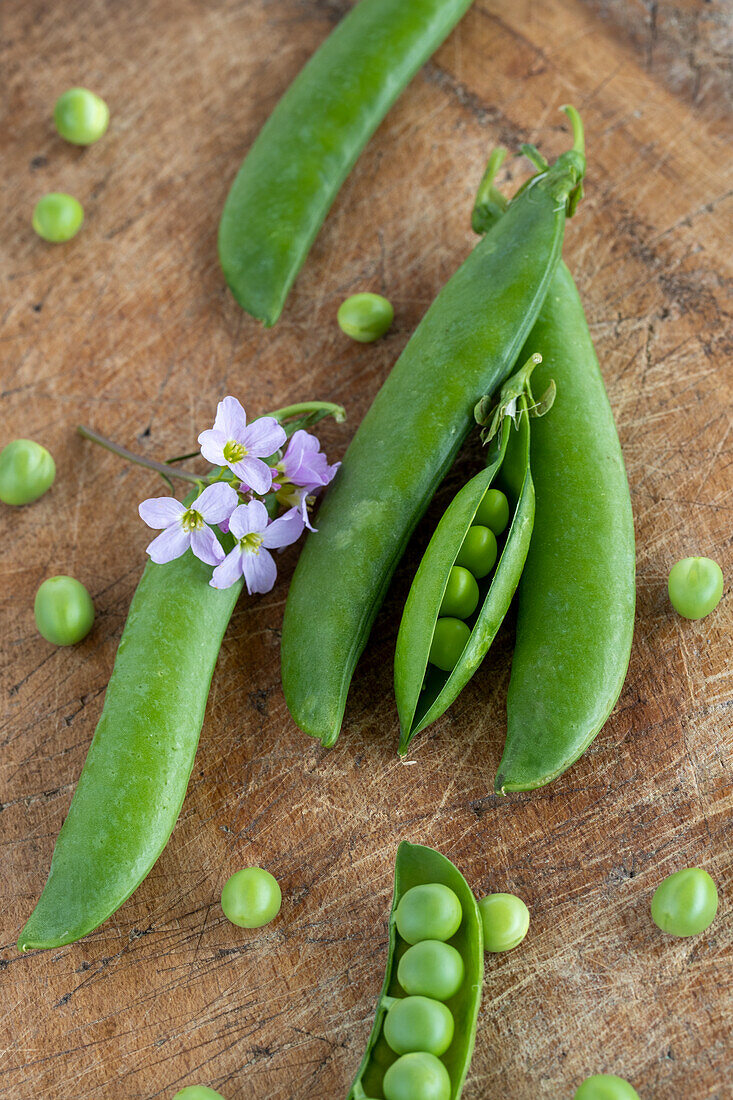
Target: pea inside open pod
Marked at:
423, 689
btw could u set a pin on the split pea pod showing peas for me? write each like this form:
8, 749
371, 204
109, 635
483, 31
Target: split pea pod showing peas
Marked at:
134, 780
422, 1039
575, 619
426, 685
312, 139
464, 347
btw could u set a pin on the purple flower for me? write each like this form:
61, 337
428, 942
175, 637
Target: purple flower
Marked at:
256, 536
240, 447
302, 471
184, 527
305, 464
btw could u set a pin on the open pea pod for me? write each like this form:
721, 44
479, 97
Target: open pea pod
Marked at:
417, 865
422, 690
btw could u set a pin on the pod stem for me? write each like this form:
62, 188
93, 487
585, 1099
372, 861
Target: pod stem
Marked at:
490, 204
307, 413
576, 124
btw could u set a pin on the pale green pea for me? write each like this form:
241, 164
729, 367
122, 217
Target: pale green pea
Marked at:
430, 911
63, 610
685, 903
198, 1092
431, 968
81, 117
505, 919
365, 317
605, 1086
251, 898
57, 217
417, 1076
695, 586
27, 471
419, 1023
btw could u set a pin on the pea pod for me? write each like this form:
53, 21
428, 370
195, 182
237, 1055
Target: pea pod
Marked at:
575, 617
312, 139
134, 780
465, 346
422, 690
417, 865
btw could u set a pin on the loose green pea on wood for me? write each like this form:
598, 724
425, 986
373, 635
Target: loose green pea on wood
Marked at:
418, 871
685, 903
63, 610
605, 1086
27, 471
695, 587
505, 920
465, 346
198, 1092
81, 117
251, 898
365, 317
57, 217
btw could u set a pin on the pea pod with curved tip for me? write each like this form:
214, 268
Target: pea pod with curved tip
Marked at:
415, 865
465, 346
575, 619
312, 139
422, 691
134, 780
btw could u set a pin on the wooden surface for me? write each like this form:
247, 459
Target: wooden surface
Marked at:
129, 328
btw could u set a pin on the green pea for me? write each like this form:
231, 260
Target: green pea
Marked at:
461, 594
430, 911
431, 968
81, 117
198, 1092
695, 586
505, 918
449, 641
478, 552
64, 610
27, 470
365, 317
605, 1086
57, 217
685, 903
493, 511
251, 898
417, 1076
419, 1023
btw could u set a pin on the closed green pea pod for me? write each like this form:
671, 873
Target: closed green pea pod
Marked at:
312, 139
422, 690
465, 346
417, 866
575, 618
135, 776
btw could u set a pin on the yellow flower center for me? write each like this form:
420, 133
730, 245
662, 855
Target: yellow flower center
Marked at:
233, 451
192, 520
251, 543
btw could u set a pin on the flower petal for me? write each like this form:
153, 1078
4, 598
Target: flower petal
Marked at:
247, 518
230, 570
217, 502
284, 530
206, 546
160, 512
231, 419
264, 436
212, 446
254, 473
170, 545
260, 571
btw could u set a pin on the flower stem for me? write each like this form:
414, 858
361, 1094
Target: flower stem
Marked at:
317, 409
160, 467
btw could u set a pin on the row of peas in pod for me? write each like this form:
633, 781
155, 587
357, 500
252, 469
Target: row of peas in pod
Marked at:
476, 558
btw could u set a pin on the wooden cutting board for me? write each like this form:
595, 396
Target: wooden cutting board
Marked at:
130, 329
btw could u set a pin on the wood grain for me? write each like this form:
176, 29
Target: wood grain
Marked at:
130, 328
